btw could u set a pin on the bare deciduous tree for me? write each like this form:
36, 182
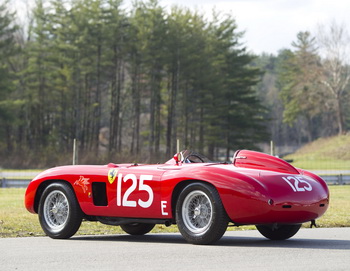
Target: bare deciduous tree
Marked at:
334, 43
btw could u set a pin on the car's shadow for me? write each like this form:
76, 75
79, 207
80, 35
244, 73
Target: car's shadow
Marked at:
229, 241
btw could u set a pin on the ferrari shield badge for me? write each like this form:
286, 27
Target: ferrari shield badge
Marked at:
112, 174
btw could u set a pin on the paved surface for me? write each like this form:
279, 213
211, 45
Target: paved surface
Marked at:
310, 249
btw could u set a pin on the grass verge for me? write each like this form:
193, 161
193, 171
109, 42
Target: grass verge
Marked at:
16, 221
330, 165
330, 153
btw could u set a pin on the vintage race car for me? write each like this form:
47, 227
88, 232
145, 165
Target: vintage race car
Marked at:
200, 196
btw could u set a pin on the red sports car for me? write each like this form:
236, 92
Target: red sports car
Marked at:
200, 196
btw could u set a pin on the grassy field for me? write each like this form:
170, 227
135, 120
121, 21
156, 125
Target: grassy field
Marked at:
16, 221
319, 164
331, 153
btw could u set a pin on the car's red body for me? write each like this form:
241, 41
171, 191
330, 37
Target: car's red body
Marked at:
254, 189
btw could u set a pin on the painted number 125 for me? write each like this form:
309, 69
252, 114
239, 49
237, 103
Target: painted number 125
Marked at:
298, 184
124, 200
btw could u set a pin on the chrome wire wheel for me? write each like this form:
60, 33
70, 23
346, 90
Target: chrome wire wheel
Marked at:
56, 210
200, 215
197, 212
59, 212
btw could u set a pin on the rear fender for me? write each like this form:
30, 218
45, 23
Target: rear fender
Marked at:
258, 160
315, 177
234, 188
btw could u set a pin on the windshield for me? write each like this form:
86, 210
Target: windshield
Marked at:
194, 157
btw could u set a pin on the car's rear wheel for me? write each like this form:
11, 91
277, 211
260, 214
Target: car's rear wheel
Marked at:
281, 232
137, 228
60, 215
200, 215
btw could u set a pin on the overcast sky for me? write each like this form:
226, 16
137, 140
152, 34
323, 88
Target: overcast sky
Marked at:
269, 25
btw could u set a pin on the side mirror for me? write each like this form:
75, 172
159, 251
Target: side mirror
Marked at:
178, 157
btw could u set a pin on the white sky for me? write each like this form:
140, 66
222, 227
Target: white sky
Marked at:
269, 25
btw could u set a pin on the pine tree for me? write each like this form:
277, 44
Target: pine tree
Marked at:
300, 78
8, 49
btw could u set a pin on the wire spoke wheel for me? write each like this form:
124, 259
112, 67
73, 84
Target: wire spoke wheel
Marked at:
60, 215
56, 210
197, 212
200, 215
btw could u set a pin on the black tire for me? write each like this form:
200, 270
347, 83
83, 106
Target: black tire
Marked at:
200, 215
59, 212
137, 228
281, 232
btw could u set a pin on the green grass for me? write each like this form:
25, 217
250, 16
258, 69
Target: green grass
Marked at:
318, 164
332, 153
16, 221
338, 214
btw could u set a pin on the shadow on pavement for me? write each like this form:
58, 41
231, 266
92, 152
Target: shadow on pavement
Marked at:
229, 241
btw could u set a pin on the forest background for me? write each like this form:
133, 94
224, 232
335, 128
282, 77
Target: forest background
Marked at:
128, 84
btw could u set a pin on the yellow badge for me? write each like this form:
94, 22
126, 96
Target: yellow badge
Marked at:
112, 174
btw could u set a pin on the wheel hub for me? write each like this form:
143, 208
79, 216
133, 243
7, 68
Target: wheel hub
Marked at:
54, 210
197, 211
58, 209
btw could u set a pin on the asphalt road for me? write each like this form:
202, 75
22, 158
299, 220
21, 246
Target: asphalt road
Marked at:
310, 249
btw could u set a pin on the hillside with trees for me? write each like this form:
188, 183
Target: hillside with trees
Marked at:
307, 88
128, 84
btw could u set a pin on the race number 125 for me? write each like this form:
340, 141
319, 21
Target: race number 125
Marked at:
135, 184
298, 184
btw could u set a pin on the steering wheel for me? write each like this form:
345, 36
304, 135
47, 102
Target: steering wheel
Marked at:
188, 160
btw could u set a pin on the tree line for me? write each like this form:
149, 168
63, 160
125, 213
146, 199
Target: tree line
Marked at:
307, 87
129, 84
124, 84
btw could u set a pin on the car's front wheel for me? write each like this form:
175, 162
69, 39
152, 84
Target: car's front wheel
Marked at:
60, 215
281, 232
137, 228
200, 215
